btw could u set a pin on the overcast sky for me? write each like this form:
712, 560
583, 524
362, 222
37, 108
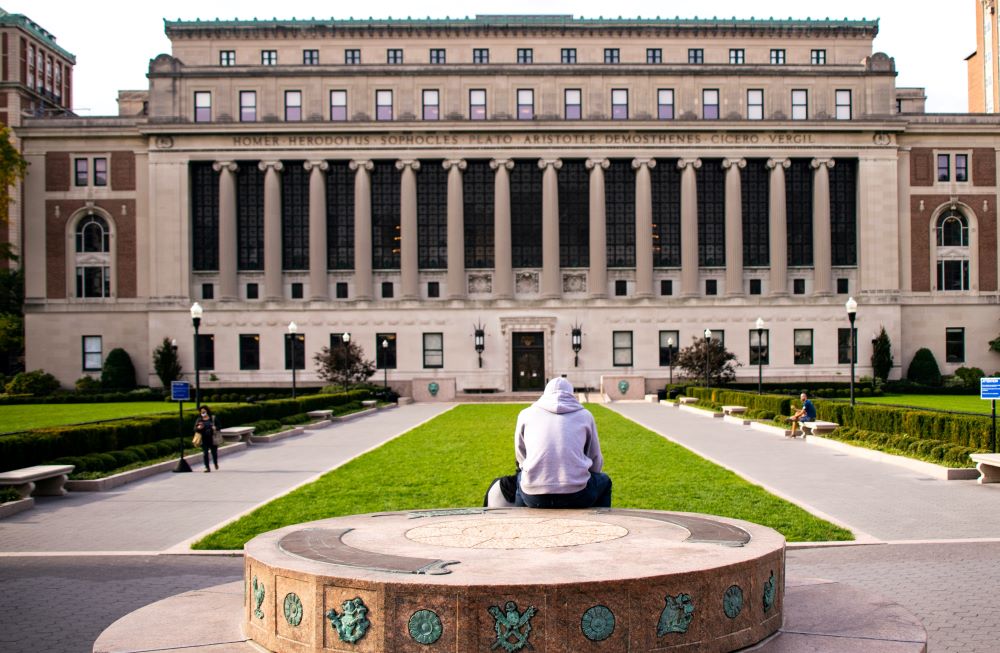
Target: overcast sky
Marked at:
113, 42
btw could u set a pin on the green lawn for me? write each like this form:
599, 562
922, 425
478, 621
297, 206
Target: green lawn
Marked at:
33, 416
963, 403
449, 461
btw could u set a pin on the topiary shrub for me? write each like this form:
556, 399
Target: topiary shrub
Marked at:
970, 376
924, 368
118, 372
38, 383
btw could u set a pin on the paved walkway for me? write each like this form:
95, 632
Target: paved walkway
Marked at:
168, 511
884, 501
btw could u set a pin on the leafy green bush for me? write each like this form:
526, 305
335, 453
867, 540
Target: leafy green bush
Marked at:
774, 403
118, 372
924, 368
37, 383
930, 450
8, 494
87, 384
970, 376
265, 426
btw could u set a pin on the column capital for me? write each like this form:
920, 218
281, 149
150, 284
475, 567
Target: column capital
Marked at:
604, 164
729, 163
448, 164
683, 163
231, 166
412, 164
773, 163
817, 163
498, 163
648, 163
545, 163
362, 163
277, 165
322, 166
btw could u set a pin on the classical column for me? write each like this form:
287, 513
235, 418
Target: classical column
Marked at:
319, 286
643, 227
689, 226
272, 229
503, 269
597, 277
456, 229
778, 227
228, 285
362, 228
551, 275
734, 226
408, 261
822, 266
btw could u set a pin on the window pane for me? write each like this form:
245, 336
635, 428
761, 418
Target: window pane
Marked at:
100, 171
803, 339
338, 105
955, 345
668, 347
944, 167
961, 167
248, 106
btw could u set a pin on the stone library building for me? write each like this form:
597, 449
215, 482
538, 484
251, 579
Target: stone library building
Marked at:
485, 203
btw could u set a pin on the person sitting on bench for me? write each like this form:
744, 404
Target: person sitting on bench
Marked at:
805, 414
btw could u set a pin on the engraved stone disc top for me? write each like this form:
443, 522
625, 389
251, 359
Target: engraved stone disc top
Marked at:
515, 533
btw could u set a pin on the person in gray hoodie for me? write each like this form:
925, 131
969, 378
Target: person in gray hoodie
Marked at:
558, 453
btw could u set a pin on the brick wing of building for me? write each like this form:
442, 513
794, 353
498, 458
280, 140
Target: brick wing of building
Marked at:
614, 187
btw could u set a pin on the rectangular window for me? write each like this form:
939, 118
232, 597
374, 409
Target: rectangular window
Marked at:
100, 171
612, 55
525, 55
93, 281
480, 55
711, 287
387, 290
719, 336
961, 167
621, 288
477, 104
295, 350
843, 101
394, 56
710, 104
525, 104
206, 351
385, 351
759, 353
567, 55
954, 345
248, 106
619, 104
338, 106
845, 345
297, 290
92, 359
202, 106
665, 104
944, 167
800, 104
431, 104
654, 55
696, 55
433, 289
433, 350
82, 175
803, 339
437, 55
798, 286
383, 105
666, 287
669, 340
293, 106
755, 104
755, 286
843, 285
737, 56
622, 348
310, 57
253, 291
818, 58
352, 57
269, 57
31, 67
953, 274
342, 292
574, 103
777, 57
227, 58
208, 291
249, 351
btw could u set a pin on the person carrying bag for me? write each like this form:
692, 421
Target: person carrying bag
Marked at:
208, 436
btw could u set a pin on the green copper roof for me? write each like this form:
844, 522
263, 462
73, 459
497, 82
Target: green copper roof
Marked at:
36, 30
502, 21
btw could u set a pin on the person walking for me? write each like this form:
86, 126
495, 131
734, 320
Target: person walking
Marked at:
211, 437
559, 454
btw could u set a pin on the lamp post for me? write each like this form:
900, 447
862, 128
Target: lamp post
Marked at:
576, 338
670, 359
852, 310
293, 329
196, 312
760, 356
480, 342
708, 343
347, 367
385, 363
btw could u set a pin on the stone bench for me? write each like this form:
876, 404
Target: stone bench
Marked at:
237, 433
369, 403
39, 481
988, 466
687, 400
734, 410
320, 414
818, 427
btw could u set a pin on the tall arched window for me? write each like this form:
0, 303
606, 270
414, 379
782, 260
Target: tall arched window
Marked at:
953, 251
93, 257
953, 230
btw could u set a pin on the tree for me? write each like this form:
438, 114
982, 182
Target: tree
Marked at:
118, 372
11, 319
995, 345
12, 168
711, 355
882, 356
343, 365
924, 368
166, 363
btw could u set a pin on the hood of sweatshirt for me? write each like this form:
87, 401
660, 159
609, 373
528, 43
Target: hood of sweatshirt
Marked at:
558, 397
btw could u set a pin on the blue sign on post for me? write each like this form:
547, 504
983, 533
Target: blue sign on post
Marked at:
180, 391
989, 387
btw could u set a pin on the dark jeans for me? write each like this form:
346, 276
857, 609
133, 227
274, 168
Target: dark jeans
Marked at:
205, 448
597, 494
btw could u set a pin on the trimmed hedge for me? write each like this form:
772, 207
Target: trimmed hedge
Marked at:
84, 398
935, 451
41, 445
776, 404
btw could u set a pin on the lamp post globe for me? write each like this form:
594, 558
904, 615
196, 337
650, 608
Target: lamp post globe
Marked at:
852, 310
760, 356
293, 328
